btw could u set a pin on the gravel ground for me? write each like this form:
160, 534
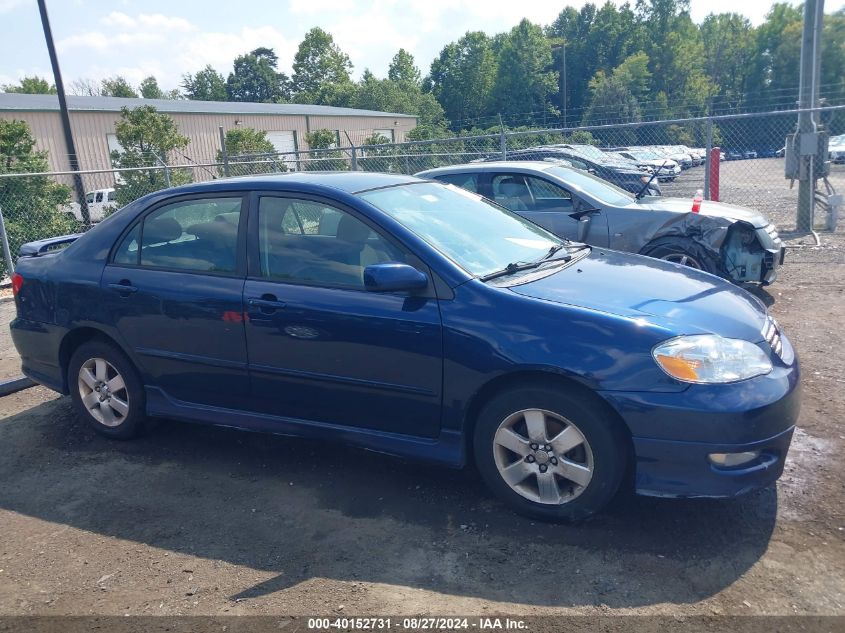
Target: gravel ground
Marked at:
196, 520
756, 183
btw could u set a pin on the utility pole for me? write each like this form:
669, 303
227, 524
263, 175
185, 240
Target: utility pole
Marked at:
60, 90
808, 98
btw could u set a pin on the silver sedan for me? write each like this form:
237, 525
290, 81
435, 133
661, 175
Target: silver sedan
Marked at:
733, 242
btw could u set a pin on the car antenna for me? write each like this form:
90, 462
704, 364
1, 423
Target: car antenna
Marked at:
649, 181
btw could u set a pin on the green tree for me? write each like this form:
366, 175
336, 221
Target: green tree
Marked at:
255, 78
573, 29
321, 71
386, 95
249, 152
463, 77
149, 88
688, 87
633, 72
206, 85
612, 102
658, 19
524, 83
31, 86
146, 137
403, 69
612, 36
117, 86
31, 204
728, 41
766, 76
384, 159
324, 155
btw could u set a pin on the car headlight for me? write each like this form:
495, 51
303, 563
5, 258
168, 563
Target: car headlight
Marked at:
709, 359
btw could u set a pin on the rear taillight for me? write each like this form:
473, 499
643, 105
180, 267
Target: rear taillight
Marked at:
17, 283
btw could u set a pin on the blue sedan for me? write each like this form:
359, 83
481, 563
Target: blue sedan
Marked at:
418, 319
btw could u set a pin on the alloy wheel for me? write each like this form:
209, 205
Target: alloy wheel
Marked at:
103, 392
684, 259
543, 456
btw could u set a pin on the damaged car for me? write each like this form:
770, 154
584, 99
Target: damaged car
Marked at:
735, 243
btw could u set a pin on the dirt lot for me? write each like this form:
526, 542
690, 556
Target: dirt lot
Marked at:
756, 183
195, 520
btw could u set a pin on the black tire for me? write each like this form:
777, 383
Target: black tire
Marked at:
124, 427
673, 248
605, 441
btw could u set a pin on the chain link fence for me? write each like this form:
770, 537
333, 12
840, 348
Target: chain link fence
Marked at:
673, 153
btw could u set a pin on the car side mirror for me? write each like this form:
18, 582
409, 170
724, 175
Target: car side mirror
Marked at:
393, 276
583, 227
583, 217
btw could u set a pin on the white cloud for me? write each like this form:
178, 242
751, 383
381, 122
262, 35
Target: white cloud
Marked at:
121, 20
7, 6
104, 41
219, 49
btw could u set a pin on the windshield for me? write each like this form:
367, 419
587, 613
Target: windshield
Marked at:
590, 151
646, 155
602, 190
475, 234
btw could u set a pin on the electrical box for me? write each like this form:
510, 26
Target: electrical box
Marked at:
800, 146
792, 162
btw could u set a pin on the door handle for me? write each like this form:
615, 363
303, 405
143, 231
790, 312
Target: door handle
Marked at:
266, 303
124, 287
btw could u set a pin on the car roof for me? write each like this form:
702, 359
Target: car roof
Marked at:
516, 165
347, 181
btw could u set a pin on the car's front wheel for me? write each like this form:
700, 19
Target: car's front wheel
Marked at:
549, 453
106, 390
683, 251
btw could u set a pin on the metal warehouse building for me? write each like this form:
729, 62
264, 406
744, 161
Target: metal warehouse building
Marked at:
93, 119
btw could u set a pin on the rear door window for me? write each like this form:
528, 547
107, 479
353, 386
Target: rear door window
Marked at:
521, 192
465, 181
192, 235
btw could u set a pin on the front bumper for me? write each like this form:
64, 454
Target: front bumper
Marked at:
674, 433
683, 469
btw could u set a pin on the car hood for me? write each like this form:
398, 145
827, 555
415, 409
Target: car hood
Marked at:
655, 162
679, 299
709, 209
621, 167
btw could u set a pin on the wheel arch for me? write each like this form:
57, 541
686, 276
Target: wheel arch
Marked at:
538, 378
76, 337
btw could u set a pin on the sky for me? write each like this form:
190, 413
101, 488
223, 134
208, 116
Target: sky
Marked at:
102, 38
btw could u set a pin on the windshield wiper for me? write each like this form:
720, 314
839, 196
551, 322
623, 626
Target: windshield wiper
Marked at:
554, 249
515, 267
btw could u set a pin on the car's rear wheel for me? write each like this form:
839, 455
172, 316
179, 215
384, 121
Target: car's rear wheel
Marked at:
683, 251
549, 453
106, 390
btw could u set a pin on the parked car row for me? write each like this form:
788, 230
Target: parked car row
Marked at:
416, 318
620, 171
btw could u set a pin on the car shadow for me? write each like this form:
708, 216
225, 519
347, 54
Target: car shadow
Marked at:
305, 509
762, 294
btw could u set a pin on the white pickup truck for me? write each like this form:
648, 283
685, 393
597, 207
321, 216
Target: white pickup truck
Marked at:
100, 203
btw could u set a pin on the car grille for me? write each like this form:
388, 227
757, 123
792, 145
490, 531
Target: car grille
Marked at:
771, 332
